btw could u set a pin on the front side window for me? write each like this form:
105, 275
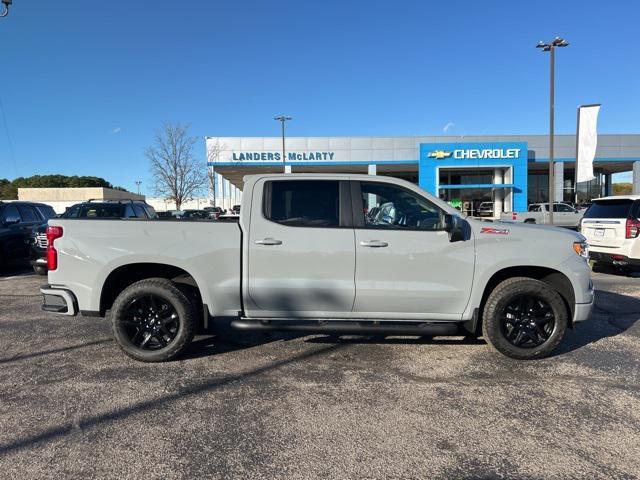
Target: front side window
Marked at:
391, 207
562, 208
303, 203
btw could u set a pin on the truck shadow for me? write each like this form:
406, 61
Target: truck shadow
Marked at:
612, 315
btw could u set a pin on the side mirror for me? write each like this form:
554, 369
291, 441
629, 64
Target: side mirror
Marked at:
456, 227
11, 220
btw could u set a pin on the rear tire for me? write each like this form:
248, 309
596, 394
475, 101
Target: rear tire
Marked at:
524, 319
152, 320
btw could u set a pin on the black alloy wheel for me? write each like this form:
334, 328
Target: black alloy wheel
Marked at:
527, 321
524, 318
150, 322
153, 320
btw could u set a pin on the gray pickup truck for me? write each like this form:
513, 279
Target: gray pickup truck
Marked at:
564, 215
323, 253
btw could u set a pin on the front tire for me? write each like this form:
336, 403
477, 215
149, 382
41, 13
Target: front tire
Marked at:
152, 320
524, 318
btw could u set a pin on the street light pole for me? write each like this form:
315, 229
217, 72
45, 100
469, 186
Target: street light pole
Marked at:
282, 119
138, 183
551, 48
7, 4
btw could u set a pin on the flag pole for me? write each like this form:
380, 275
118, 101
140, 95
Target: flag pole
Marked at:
580, 107
575, 181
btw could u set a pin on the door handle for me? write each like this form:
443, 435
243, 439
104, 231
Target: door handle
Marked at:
374, 244
268, 241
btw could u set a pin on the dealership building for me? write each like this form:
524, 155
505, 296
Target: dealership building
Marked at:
511, 171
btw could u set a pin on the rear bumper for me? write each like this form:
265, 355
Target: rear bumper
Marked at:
58, 300
613, 258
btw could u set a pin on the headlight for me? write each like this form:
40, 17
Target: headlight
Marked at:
582, 249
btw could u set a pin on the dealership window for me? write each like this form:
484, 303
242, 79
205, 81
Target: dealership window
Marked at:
303, 203
388, 206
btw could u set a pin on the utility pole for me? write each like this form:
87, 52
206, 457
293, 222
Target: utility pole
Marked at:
551, 47
282, 119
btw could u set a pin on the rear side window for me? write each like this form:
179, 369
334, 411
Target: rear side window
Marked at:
97, 210
29, 214
303, 203
10, 211
47, 211
151, 213
140, 212
609, 209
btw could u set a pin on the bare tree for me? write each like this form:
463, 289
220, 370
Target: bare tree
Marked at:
177, 174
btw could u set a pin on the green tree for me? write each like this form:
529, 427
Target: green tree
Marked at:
7, 190
622, 188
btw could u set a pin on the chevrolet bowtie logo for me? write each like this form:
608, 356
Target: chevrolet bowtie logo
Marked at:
439, 154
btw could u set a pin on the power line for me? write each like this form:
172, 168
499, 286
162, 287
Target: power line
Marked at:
9, 142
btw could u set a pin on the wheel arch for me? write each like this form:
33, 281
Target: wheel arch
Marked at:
554, 278
125, 275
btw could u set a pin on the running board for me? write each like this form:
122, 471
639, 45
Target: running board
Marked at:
346, 327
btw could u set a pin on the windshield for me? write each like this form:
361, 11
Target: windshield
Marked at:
609, 209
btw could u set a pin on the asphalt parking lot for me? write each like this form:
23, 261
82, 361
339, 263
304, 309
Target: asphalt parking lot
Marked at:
287, 406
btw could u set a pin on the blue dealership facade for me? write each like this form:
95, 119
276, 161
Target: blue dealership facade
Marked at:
509, 171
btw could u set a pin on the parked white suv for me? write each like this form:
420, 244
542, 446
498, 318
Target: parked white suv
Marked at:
611, 226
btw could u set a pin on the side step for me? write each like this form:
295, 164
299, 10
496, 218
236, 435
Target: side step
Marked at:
346, 327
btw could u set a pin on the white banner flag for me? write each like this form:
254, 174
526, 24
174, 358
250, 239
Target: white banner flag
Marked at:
587, 141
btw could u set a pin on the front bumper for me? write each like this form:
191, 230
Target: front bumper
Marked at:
59, 300
582, 312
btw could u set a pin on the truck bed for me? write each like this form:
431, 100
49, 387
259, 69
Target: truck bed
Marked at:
90, 250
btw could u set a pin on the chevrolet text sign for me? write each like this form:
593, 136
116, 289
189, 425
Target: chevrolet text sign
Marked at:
464, 153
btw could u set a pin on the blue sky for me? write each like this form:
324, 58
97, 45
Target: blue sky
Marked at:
86, 83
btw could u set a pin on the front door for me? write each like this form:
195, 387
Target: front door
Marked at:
301, 253
406, 267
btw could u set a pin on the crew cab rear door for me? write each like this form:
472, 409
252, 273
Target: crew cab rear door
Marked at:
406, 267
604, 222
300, 248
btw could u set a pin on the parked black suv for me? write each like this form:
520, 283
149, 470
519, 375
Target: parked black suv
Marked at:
100, 209
111, 209
17, 223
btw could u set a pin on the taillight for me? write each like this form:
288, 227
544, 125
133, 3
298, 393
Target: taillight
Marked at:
52, 254
632, 228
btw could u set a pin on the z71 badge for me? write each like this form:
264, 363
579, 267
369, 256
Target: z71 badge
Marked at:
495, 231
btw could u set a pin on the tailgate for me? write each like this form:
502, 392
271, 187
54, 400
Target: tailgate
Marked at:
603, 232
604, 223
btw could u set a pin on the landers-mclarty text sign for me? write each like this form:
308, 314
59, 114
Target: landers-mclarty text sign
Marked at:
277, 156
